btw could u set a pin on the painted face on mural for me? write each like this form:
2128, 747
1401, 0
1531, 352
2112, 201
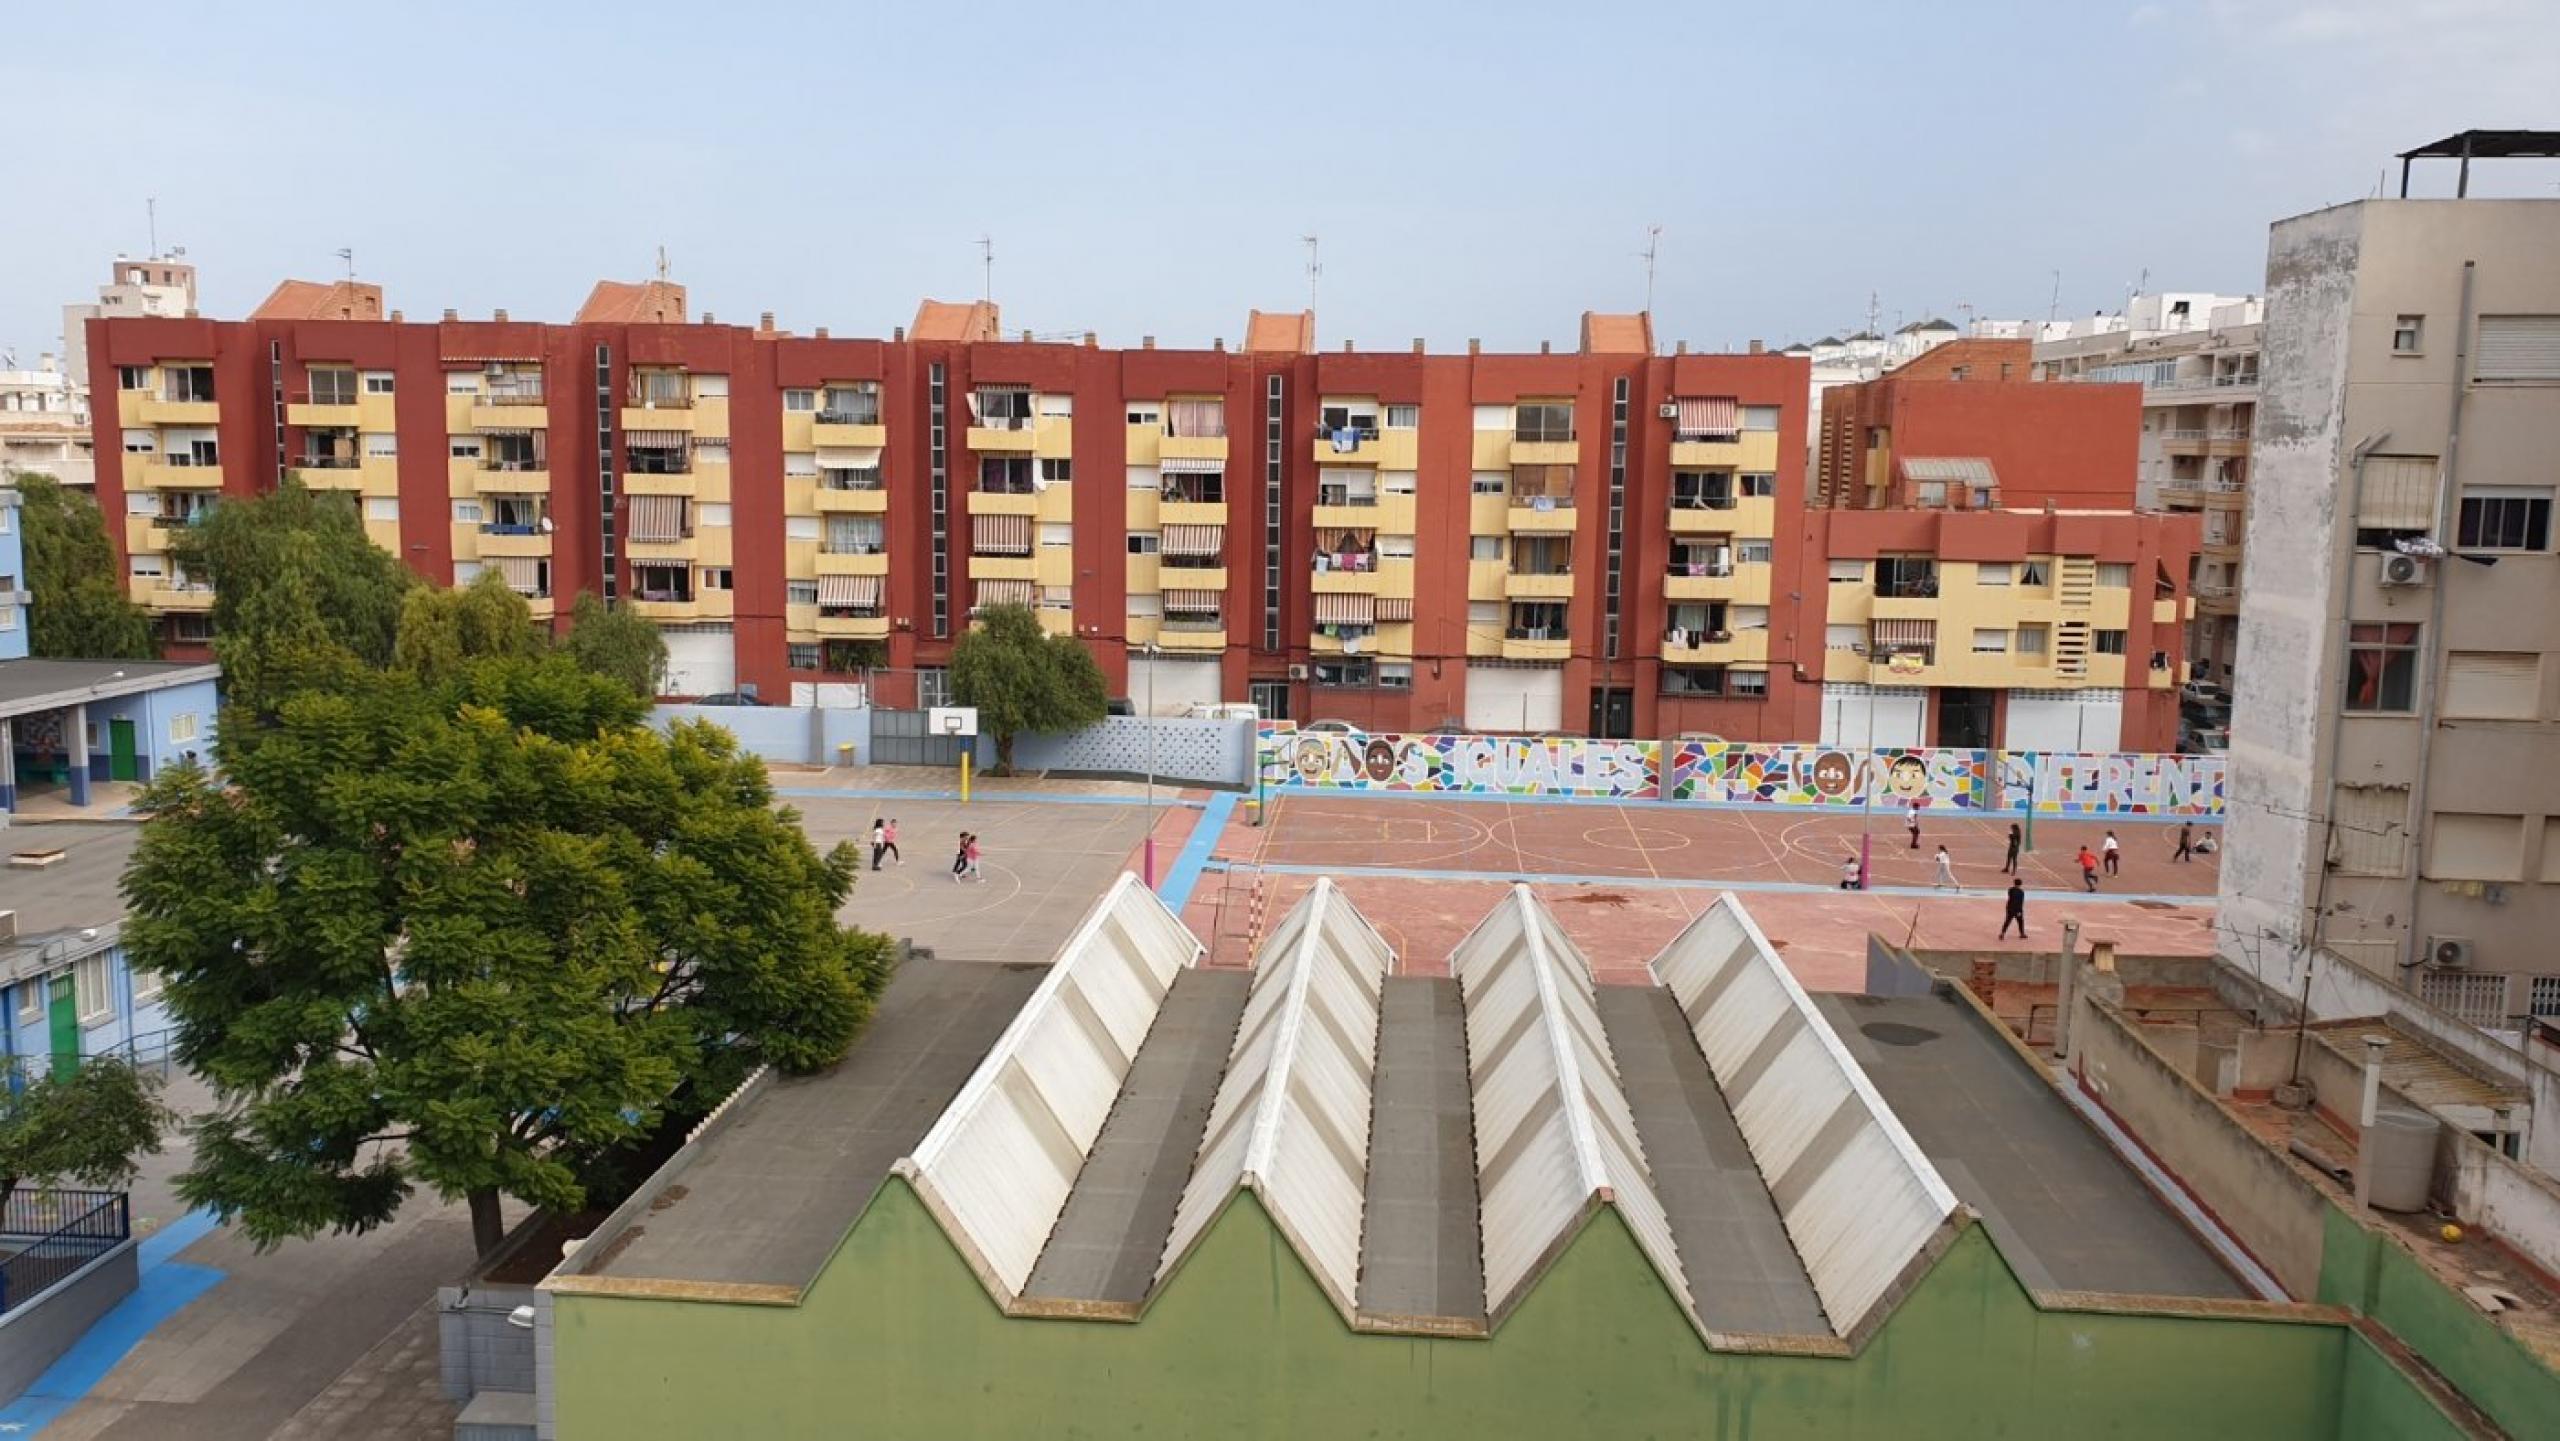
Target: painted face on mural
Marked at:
1379, 760
1310, 759
1831, 773
1907, 778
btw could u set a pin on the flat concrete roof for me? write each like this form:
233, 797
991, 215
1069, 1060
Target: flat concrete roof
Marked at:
84, 888
1421, 1252
36, 685
2068, 1213
1111, 1235
1744, 1271
770, 1192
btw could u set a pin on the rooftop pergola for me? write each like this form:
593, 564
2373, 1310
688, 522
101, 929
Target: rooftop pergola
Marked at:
2473, 145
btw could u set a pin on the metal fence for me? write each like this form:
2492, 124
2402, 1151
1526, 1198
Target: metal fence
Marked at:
148, 1053
904, 738
54, 1233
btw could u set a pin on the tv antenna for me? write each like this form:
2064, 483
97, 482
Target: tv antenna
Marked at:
1315, 266
1651, 252
2053, 307
347, 254
151, 221
987, 264
662, 262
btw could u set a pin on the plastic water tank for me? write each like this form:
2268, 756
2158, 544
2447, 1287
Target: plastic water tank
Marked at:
2400, 1159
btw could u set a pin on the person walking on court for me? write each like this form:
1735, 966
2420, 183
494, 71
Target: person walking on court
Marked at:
1915, 825
2088, 867
2016, 914
1946, 872
2009, 866
969, 852
2113, 853
2186, 841
1849, 873
879, 841
960, 858
889, 839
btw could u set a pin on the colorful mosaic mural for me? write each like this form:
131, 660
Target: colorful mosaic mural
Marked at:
2114, 784
1740, 773
1482, 765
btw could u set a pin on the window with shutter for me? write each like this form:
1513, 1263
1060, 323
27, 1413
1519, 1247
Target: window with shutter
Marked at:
2369, 830
2492, 684
2468, 846
2518, 348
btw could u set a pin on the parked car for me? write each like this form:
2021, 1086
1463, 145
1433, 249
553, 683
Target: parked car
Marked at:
1222, 710
729, 697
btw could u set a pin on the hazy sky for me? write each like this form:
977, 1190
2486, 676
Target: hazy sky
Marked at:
1484, 169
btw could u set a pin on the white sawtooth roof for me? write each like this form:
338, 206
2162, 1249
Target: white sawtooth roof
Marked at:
1291, 1118
997, 1166
1554, 1135
1857, 1196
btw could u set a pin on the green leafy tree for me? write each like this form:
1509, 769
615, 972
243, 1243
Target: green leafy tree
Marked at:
620, 644
77, 590
90, 1126
473, 933
337, 586
1021, 678
442, 630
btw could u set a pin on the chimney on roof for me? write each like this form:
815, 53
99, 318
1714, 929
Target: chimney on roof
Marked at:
396, 317
822, 332
452, 314
1417, 345
898, 334
1757, 348
1546, 347
1474, 346
1346, 347
1146, 342
706, 317
764, 322
1680, 349
1091, 340
1026, 336
497, 315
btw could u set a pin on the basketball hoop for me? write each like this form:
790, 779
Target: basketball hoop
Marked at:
952, 720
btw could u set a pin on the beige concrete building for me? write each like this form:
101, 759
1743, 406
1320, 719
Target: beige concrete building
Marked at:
2395, 767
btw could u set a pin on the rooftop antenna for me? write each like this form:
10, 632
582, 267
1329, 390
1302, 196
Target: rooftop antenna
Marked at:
151, 218
987, 262
1315, 266
662, 262
1965, 309
2053, 307
347, 253
1652, 251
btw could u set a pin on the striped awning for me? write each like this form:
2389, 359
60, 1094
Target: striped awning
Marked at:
1395, 607
523, 573
862, 592
1192, 601
1720, 416
1334, 609
1189, 465
524, 430
657, 439
1194, 539
1003, 592
1955, 469
1000, 534
1900, 632
657, 518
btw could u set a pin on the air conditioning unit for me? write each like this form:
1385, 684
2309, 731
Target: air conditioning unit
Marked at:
1297, 672
1670, 410
2403, 570
2449, 953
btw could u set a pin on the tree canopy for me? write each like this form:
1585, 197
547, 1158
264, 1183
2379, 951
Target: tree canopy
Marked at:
76, 589
1021, 678
623, 645
300, 591
90, 1125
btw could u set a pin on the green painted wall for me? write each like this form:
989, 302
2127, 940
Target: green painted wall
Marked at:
2374, 1275
2377, 1403
898, 1339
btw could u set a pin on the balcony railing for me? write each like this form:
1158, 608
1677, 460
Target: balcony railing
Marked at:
1347, 562
321, 397
1337, 495
1002, 422
54, 1233
330, 462
513, 465
1193, 562
1701, 569
662, 395
849, 415
1194, 622
2182, 435
1362, 429
512, 393
850, 480
1692, 637
1204, 495
1704, 500
534, 526
1534, 632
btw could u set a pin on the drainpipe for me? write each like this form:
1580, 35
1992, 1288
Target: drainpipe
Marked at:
2064, 985
2372, 1105
2431, 651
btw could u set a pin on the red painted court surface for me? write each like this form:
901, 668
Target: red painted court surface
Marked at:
1624, 879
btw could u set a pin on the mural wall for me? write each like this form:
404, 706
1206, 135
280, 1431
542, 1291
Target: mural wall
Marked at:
1747, 773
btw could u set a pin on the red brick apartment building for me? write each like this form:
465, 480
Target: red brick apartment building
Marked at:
1607, 541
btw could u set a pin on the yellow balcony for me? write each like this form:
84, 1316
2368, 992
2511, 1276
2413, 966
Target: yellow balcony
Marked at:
686, 550
1187, 577
485, 481
684, 484
997, 440
1546, 452
831, 564
1539, 650
1343, 582
829, 501
660, 417
870, 437
1191, 512
1004, 567
1188, 639
666, 610
160, 475
379, 475
991, 502
1387, 450
850, 627
490, 413
1702, 587
2165, 612
140, 408
329, 477
1904, 607
1735, 646
1534, 521
1192, 447
1485, 578
333, 416
1352, 517
1518, 586
1706, 520
494, 544
159, 597
1707, 454
1145, 445
1053, 437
